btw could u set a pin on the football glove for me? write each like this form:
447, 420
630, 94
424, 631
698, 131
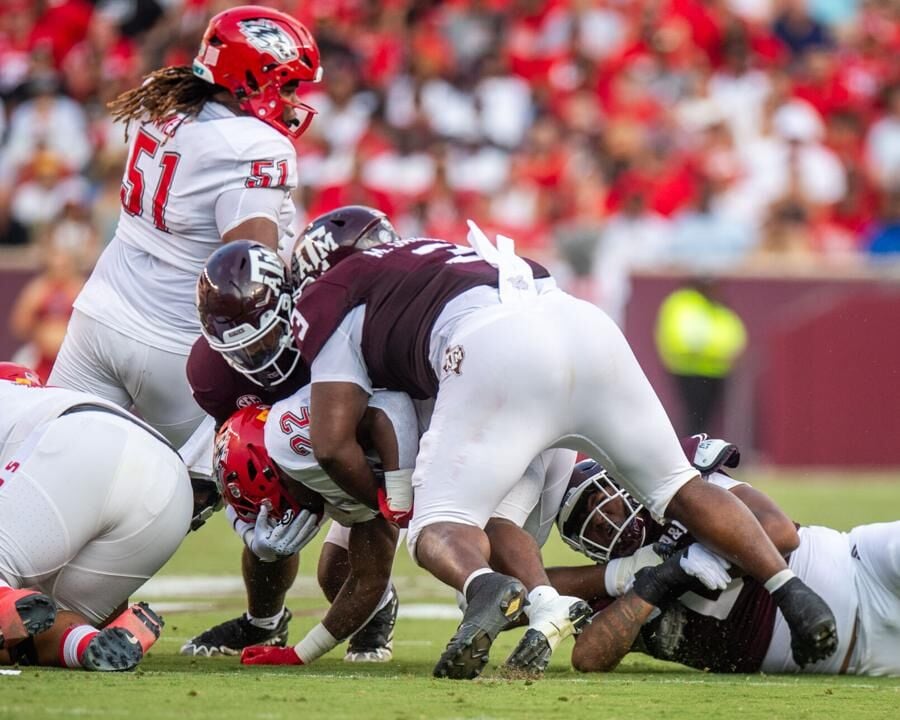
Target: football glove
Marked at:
270, 539
660, 582
706, 566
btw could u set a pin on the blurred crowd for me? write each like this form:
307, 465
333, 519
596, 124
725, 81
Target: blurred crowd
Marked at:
604, 135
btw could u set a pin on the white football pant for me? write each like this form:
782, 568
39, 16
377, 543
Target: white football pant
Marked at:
153, 383
94, 509
551, 371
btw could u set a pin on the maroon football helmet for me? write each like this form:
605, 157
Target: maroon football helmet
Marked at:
244, 302
333, 236
247, 477
597, 517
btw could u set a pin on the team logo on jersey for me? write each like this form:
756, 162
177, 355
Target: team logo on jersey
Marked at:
248, 400
270, 38
453, 358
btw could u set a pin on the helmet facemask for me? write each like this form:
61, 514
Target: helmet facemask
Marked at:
265, 354
613, 527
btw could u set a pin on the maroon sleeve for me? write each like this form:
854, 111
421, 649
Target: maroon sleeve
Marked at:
319, 312
218, 389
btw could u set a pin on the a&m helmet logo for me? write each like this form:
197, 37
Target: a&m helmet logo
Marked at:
270, 38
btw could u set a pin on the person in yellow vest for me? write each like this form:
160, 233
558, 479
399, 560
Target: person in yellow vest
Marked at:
699, 339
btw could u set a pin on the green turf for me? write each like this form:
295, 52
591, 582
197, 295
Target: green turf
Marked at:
170, 686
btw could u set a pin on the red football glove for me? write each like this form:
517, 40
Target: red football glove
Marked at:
268, 655
400, 518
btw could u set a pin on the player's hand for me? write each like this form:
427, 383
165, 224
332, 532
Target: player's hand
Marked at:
273, 539
706, 566
398, 516
268, 655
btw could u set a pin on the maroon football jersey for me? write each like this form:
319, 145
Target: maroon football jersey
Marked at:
735, 644
404, 286
220, 389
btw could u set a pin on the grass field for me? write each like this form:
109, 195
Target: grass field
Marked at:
170, 686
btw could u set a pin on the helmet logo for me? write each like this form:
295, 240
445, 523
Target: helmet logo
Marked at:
312, 252
266, 268
269, 38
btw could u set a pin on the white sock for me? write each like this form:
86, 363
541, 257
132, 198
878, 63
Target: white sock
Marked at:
540, 595
477, 573
74, 642
266, 623
779, 579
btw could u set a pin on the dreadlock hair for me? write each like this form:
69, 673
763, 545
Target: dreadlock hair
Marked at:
163, 94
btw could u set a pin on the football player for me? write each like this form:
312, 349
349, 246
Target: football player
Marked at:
265, 468
735, 627
505, 357
210, 160
238, 307
92, 503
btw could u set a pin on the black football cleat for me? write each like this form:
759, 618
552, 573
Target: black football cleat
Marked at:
498, 601
374, 642
549, 626
23, 614
113, 649
232, 636
812, 624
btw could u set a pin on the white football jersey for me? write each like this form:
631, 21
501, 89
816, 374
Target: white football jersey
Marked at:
287, 438
144, 283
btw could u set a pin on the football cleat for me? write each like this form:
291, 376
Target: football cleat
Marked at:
142, 622
374, 642
113, 649
24, 613
550, 625
498, 601
812, 624
232, 636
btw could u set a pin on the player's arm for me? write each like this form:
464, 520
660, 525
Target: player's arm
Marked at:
584, 581
258, 229
778, 526
611, 634
337, 409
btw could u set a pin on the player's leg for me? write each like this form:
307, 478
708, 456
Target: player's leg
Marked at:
516, 550
91, 471
486, 427
374, 642
159, 388
267, 618
875, 550
83, 362
619, 417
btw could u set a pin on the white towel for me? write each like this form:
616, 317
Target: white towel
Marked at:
516, 280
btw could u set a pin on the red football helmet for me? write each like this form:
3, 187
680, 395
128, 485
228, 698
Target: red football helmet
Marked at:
254, 52
597, 517
19, 374
247, 477
244, 299
333, 236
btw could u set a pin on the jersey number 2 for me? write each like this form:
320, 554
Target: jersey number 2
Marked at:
132, 192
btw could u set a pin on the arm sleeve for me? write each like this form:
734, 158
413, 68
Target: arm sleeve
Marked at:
340, 359
239, 204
